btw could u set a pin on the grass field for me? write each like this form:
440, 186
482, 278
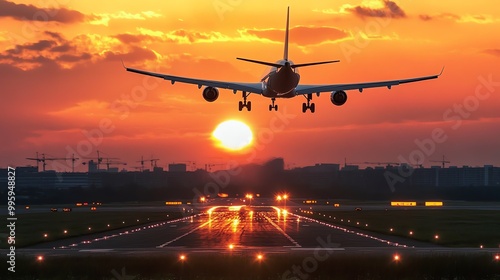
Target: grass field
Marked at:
34, 228
454, 228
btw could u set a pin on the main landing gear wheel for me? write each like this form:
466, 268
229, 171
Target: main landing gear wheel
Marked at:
273, 106
244, 103
308, 105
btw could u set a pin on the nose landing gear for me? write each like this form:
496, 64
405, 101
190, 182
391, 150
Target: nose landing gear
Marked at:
273, 106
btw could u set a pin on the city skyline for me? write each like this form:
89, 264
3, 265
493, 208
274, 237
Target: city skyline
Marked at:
66, 91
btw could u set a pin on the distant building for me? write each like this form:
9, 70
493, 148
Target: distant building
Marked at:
177, 167
322, 167
350, 168
92, 166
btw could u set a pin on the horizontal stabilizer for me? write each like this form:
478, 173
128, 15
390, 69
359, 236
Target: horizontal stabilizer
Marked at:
272, 64
314, 63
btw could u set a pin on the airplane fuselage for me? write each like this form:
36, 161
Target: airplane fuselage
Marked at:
281, 83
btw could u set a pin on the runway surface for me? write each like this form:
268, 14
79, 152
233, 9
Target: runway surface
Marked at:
236, 229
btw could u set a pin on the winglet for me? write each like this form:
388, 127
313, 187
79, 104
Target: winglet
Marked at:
442, 69
123, 64
285, 53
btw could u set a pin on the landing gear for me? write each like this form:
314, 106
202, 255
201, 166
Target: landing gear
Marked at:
308, 105
273, 106
244, 103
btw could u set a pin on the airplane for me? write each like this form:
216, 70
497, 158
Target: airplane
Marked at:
282, 81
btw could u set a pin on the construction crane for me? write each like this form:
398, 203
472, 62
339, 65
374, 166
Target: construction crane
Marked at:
152, 160
100, 159
443, 161
109, 162
44, 160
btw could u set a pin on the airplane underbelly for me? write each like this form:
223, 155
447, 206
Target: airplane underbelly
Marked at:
281, 85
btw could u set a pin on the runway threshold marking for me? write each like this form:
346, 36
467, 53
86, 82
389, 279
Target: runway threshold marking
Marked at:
185, 234
282, 231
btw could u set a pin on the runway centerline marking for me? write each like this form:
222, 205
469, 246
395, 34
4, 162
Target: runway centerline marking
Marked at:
185, 234
282, 231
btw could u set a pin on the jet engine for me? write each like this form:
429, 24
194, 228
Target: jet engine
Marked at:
210, 94
338, 97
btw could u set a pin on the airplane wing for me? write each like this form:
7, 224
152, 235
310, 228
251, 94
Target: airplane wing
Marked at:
235, 86
308, 89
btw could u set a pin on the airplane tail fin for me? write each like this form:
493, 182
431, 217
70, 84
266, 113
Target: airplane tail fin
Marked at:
285, 52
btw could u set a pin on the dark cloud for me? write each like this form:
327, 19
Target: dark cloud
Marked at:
74, 58
33, 13
62, 48
44, 52
390, 10
40, 45
54, 35
302, 35
448, 16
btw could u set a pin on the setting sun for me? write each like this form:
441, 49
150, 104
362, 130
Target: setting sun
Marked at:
233, 135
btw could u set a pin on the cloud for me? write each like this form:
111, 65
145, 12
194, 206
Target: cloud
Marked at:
479, 19
389, 10
34, 13
103, 19
495, 52
68, 53
128, 38
302, 35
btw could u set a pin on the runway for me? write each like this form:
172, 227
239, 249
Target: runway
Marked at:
234, 229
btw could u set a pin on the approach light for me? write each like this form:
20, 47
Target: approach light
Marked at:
260, 257
182, 257
90, 228
39, 258
231, 246
497, 257
65, 231
436, 236
397, 257
411, 232
45, 235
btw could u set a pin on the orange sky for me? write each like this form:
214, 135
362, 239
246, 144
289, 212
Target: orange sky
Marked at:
63, 86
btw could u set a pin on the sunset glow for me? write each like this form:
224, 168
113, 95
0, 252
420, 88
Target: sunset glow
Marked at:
64, 90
